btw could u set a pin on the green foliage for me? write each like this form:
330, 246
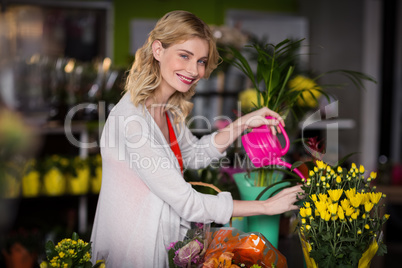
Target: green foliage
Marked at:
276, 65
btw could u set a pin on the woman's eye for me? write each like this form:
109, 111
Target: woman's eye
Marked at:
203, 62
184, 56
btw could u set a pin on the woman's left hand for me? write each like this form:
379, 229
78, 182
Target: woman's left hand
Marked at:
258, 118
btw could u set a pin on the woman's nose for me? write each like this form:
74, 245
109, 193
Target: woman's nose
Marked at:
192, 69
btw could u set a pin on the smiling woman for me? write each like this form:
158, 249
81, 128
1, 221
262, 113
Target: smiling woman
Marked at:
144, 203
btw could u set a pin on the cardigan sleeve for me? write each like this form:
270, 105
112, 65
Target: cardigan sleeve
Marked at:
198, 152
155, 164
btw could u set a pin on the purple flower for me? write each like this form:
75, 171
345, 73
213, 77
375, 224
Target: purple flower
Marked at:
171, 245
199, 225
187, 254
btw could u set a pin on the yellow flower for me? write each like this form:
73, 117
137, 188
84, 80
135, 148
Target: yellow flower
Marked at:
341, 215
361, 169
323, 178
308, 212
375, 197
349, 211
322, 197
356, 200
386, 216
350, 193
307, 204
309, 90
308, 227
373, 175
367, 226
61, 254
335, 194
329, 169
359, 232
333, 208
314, 197
321, 207
320, 164
345, 203
302, 212
338, 179
327, 215
248, 97
353, 167
355, 215
311, 173
339, 169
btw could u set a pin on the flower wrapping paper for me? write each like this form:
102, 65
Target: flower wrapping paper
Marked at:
248, 248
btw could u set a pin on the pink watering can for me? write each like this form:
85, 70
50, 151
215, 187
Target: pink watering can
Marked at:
264, 149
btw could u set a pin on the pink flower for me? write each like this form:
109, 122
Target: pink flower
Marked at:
171, 245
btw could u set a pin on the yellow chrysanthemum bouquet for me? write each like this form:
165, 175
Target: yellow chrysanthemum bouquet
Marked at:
341, 217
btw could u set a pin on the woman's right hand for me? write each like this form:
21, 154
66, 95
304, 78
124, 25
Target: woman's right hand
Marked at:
283, 201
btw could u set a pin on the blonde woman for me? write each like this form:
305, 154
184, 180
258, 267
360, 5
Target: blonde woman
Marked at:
144, 202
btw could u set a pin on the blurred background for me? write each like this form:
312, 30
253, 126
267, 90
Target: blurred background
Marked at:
67, 59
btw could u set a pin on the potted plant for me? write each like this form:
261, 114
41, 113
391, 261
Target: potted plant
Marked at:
341, 219
70, 253
279, 84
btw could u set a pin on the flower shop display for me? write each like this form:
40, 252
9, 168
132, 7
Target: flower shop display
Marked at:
58, 175
341, 217
70, 253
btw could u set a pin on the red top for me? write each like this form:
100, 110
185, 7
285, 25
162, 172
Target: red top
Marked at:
174, 145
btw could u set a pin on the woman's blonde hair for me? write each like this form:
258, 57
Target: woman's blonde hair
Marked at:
144, 76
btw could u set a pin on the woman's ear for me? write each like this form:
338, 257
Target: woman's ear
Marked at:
157, 49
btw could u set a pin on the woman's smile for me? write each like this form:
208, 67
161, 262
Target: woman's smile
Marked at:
185, 79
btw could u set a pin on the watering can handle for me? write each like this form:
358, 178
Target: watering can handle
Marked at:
285, 135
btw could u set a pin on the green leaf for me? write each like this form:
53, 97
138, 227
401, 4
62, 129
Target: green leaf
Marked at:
296, 164
75, 236
382, 249
50, 250
327, 236
276, 183
343, 159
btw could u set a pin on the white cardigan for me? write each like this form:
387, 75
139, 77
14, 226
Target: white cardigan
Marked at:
144, 203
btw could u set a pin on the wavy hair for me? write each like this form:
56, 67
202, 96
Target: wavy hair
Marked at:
144, 76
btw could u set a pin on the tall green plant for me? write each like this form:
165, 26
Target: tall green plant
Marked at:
270, 67
276, 65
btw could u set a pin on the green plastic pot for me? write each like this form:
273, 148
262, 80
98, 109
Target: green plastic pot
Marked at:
264, 224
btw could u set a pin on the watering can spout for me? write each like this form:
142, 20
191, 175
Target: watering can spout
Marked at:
295, 170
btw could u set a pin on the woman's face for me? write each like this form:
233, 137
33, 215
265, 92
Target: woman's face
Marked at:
182, 64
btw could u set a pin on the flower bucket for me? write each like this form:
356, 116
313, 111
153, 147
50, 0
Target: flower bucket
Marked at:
54, 182
79, 185
31, 184
264, 224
